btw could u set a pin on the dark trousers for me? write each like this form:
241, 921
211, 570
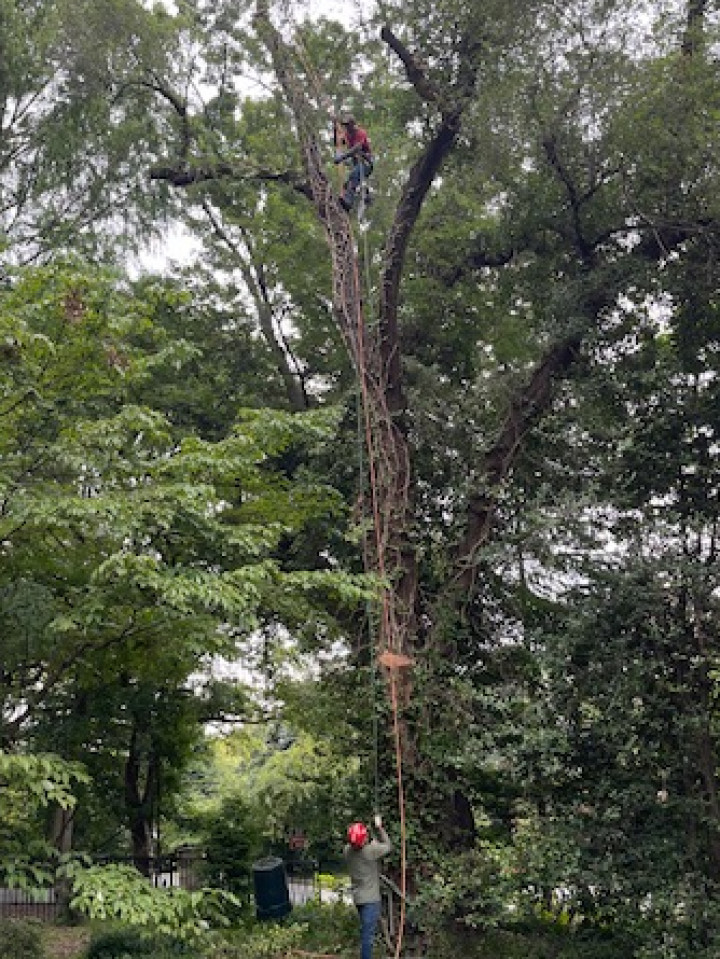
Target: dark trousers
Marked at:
369, 913
360, 171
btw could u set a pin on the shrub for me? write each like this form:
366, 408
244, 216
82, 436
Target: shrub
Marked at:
264, 941
327, 927
20, 940
529, 943
313, 929
232, 841
120, 894
130, 944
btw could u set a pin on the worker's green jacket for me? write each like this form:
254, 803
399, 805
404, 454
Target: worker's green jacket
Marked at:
364, 868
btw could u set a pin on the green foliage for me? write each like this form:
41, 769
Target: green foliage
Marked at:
328, 927
75, 157
531, 943
135, 550
20, 940
313, 928
29, 782
28, 786
261, 942
129, 943
469, 889
121, 893
258, 786
232, 842
150, 521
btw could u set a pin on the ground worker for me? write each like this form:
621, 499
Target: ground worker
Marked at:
358, 153
363, 856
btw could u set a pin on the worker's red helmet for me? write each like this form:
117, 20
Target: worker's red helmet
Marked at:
357, 834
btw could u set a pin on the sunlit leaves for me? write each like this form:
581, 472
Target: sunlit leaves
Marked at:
29, 784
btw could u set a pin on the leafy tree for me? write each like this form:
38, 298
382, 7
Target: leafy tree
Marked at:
77, 123
152, 554
568, 231
532, 211
30, 784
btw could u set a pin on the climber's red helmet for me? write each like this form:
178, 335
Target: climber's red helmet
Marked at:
357, 835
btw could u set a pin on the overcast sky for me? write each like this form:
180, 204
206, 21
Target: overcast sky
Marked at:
347, 11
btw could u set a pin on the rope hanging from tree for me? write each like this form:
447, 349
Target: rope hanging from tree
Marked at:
386, 458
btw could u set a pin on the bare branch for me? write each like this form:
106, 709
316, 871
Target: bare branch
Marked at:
414, 68
576, 200
253, 274
184, 175
694, 34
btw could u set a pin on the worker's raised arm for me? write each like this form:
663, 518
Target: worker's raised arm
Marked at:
382, 845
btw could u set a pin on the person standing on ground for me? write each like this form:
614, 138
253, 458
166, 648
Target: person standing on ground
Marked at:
362, 855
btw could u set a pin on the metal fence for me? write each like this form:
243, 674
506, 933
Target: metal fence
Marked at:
29, 904
308, 881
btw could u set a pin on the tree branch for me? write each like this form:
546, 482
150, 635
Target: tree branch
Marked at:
185, 175
575, 199
253, 273
694, 34
478, 259
419, 181
525, 410
416, 188
413, 67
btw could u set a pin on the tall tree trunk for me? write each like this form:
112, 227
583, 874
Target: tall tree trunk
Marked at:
141, 777
375, 351
60, 837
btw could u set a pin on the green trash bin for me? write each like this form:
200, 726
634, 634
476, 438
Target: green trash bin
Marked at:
272, 897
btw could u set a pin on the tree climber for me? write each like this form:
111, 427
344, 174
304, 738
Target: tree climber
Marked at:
358, 153
363, 856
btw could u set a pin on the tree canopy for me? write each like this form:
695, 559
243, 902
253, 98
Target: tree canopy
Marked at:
474, 428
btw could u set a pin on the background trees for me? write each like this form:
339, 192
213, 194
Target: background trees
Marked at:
133, 554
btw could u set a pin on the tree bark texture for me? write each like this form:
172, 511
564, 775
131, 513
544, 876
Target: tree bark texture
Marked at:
141, 777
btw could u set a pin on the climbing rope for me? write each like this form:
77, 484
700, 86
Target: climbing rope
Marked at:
389, 631
393, 661
369, 618
385, 468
